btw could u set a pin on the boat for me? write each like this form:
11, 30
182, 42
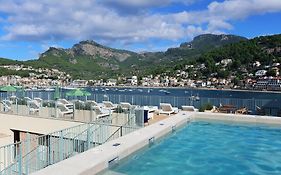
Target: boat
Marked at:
164, 91
68, 88
49, 89
167, 92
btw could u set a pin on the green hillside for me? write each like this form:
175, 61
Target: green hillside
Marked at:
265, 49
90, 60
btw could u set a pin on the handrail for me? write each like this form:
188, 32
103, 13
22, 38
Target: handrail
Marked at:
113, 134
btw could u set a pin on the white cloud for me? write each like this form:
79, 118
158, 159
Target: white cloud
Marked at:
51, 20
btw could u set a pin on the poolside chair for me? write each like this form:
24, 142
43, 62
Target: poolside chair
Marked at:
64, 110
243, 110
92, 103
189, 109
67, 104
125, 106
166, 108
101, 112
27, 99
7, 105
109, 105
33, 106
39, 100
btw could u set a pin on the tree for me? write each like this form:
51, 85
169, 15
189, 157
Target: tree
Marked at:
271, 73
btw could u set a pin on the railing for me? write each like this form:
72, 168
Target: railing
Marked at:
86, 115
37, 152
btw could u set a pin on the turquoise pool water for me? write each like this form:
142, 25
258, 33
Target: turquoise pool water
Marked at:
210, 148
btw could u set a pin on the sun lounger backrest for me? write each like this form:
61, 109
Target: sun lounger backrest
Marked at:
125, 105
7, 104
97, 109
166, 107
63, 108
33, 104
92, 103
188, 108
63, 101
108, 104
39, 100
27, 98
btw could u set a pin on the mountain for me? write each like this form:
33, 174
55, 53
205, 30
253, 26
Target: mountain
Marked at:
90, 60
243, 56
201, 44
86, 59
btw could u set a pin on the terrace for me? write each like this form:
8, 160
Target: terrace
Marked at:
101, 158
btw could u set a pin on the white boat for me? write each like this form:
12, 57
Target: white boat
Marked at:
49, 89
165, 91
68, 88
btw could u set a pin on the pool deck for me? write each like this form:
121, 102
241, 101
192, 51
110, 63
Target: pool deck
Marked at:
97, 159
30, 124
100, 158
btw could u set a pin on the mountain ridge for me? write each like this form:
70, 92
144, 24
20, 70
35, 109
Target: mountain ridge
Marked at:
91, 60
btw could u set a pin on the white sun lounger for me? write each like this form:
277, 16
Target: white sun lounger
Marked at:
189, 108
33, 106
92, 103
67, 104
166, 108
64, 110
7, 105
39, 100
27, 99
125, 106
101, 112
109, 105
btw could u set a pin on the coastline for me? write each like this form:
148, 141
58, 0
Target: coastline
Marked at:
189, 88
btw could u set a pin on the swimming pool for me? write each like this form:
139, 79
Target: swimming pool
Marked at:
210, 148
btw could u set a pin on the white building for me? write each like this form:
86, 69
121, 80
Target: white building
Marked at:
134, 81
111, 82
225, 62
260, 73
268, 84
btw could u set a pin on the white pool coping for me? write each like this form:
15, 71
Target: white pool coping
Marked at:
254, 119
97, 159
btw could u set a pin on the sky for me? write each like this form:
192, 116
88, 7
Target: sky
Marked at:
30, 27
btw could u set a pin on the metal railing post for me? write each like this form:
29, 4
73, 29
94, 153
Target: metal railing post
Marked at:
20, 159
61, 146
88, 136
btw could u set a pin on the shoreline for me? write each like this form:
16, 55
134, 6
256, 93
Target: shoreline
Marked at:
188, 88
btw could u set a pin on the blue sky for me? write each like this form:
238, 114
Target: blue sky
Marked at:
30, 27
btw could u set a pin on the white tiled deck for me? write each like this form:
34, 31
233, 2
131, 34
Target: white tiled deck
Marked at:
30, 124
